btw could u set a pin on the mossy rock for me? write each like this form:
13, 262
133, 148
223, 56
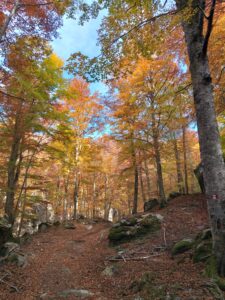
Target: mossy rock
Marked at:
151, 222
129, 222
202, 251
141, 230
122, 233
202, 248
117, 234
182, 246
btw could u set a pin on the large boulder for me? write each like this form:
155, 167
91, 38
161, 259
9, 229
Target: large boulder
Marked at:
150, 204
133, 227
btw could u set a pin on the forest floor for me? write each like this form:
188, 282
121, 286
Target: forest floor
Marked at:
61, 259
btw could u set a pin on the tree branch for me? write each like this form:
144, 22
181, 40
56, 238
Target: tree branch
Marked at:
209, 28
143, 23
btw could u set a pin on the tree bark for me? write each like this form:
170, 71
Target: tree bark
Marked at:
178, 166
142, 185
75, 196
65, 199
158, 162
135, 201
13, 171
186, 186
147, 175
209, 139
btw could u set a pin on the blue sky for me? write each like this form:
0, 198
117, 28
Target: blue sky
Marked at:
74, 38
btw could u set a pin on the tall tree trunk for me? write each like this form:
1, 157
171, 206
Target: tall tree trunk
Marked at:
135, 201
185, 160
147, 175
158, 162
94, 199
128, 198
135, 170
75, 196
178, 166
13, 170
65, 199
107, 203
210, 146
23, 208
142, 185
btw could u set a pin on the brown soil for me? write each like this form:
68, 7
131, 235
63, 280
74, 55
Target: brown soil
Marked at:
61, 259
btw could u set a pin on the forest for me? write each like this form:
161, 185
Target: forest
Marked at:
70, 154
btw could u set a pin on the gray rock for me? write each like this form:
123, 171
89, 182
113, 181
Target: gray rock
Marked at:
80, 293
110, 271
69, 226
19, 259
89, 227
10, 247
43, 227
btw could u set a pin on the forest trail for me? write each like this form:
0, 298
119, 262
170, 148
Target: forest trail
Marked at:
61, 259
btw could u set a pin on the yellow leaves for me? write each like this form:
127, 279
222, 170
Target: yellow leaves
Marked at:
56, 61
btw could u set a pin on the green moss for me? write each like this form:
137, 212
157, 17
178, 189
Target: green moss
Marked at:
220, 282
151, 222
132, 221
125, 232
117, 234
211, 272
202, 251
211, 269
182, 246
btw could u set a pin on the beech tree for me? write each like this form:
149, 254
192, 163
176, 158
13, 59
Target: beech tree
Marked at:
211, 153
27, 104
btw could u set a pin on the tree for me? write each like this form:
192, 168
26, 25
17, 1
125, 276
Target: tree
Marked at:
210, 146
28, 104
22, 17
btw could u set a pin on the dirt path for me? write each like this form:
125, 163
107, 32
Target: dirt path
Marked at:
61, 259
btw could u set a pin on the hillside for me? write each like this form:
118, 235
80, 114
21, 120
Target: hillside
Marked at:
62, 262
